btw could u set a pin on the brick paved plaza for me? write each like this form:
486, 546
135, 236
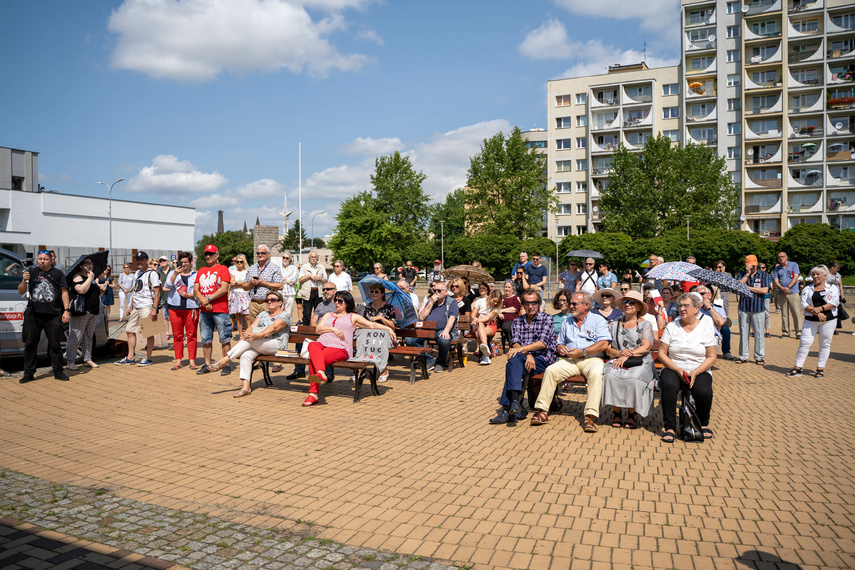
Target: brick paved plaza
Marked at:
418, 471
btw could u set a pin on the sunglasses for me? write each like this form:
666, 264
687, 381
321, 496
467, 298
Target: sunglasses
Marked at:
376, 292
264, 253
607, 296
209, 253
574, 303
337, 301
329, 288
530, 303
455, 286
272, 300
628, 301
43, 251
625, 290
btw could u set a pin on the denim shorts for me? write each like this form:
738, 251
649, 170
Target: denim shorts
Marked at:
207, 322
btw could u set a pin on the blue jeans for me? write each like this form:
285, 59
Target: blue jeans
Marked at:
514, 372
725, 339
220, 321
443, 346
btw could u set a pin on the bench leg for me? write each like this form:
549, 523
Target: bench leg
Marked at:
461, 358
360, 376
373, 378
413, 369
527, 390
265, 371
423, 362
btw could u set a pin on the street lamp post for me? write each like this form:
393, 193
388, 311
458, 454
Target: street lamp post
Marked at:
442, 242
110, 194
313, 227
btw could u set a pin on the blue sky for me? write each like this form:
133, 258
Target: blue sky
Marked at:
204, 102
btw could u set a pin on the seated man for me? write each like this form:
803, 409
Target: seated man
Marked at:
532, 348
583, 337
442, 309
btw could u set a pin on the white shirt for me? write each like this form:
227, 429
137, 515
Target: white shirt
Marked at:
144, 282
318, 271
481, 304
652, 320
588, 279
342, 282
688, 350
415, 299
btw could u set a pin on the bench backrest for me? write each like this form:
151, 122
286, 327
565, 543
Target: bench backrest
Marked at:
421, 329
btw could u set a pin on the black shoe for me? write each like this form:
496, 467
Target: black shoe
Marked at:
61, 376
26, 378
502, 418
203, 369
295, 375
515, 408
226, 370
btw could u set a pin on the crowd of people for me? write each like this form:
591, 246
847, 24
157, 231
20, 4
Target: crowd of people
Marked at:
602, 328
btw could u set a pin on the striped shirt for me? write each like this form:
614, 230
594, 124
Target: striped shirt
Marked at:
754, 303
290, 278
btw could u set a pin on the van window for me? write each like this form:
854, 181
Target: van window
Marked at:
10, 272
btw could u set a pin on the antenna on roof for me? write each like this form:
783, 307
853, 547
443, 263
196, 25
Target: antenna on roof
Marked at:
645, 49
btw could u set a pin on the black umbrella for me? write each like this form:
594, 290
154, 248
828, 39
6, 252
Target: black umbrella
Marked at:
584, 253
721, 280
99, 263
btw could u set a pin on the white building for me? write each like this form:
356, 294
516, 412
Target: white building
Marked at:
32, 219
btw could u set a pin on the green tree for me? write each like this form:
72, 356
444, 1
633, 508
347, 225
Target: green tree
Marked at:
452, 212
399, 195
814, 244
365, 235
616, 248
507, 191
497, 253
291, 240
229, 243
657, 191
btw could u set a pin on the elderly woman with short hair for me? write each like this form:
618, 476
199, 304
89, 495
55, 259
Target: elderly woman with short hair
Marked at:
688, 351
819, 304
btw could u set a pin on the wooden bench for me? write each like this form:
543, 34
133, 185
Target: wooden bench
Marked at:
300, 334
416, 354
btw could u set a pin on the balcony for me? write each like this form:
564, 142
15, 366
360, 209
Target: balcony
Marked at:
809, 152
770, 134
751, 35
606, 147
699, 44
599, 102
759, 209
606, 124
770, 84
637, 99
798, 29
804, 203
838, 28
768, 158
803, 79
762, 7
838, 152
797, 56
839, 78
774, 57
706, 18
799, 106
711, 116
841, 126
605, 171
840, 179
635, 122
806, 178
842, 52
709, 140
806, 132
776, 107
708, 70
701, 89
841, 202
802, 6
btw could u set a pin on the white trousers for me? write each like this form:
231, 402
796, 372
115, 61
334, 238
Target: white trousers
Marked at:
810, 329
124, 302
248, 351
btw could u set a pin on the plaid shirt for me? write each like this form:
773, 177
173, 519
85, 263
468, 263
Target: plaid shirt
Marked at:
754, 303
541, 329
271, 274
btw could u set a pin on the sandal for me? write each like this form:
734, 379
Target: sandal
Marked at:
739, 361
176, 367
819, 374
617, 421
793, 373
311, 400
317, 378
668, 437
214, 367
243, 392
708, 434
588, 424
760, 362
631, 421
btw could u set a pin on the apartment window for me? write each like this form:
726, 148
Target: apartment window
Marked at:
581, 230
582, 142
535, 144
763, 102
671, 113
733, 7
767, 28
736, 177
564, 231
734, 104
563, 122
765, 199
733, 31
636, 92
804, 101
734, 80
637, 139
844, 21
565, 208
699, 16
581, 98
705, 134
734, 152
564, 144
764, 52
807, 25
671, 89
767, 76
841, 172
701, 109
805, 75
581, 187
673, 136
562, 187
733, 55
582, 120
700, 34
701, 62
582, 164
766, 174
564, 166
581, 208
563, 101
734, 128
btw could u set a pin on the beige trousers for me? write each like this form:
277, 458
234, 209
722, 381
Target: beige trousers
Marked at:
591, 368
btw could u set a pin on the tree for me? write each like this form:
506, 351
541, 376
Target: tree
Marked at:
657, 191
229, 243
365, 235
399, 195
497, 253
291, 240
507, 193
452, 212
813, 244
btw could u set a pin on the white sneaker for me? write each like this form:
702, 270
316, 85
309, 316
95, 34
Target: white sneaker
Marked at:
437, 368
485, 350
486, 360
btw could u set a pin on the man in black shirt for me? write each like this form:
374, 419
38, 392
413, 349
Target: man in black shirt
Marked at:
46, 311
410, 274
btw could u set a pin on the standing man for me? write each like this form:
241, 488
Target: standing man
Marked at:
686, 286
536, 274
327, 305
752, 310
786, 280
163, 271
212, 292
312, 276
568, 278
262, 277
583, 337
442, 309
290, 277
532, 349
523, 262
410, 274
143, 305
587, 282
657, 283
436, 274
47, 310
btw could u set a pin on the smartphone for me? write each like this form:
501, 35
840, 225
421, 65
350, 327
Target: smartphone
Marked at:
686, 378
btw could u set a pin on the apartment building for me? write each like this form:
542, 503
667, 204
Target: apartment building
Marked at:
771, 83
588, 119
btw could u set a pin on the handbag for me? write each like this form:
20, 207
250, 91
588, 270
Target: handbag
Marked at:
633, 361
690, 424
77, 306
495, 348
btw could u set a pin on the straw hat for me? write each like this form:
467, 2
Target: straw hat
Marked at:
641, 306
598, 297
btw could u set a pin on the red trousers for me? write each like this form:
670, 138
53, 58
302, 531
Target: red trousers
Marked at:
184, 320
322, 356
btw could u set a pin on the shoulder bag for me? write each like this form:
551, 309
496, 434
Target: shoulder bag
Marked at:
690, 424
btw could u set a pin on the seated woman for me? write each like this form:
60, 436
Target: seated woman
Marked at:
688, 351
270, 332
479, 306
379, 311
561, 303
485, 327
632, 387
669, 303
511, 309
459, 290
335, 341
379, 271
607, 299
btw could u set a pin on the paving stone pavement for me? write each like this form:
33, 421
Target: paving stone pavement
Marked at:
418, 471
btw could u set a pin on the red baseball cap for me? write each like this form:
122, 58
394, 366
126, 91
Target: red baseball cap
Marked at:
211, 248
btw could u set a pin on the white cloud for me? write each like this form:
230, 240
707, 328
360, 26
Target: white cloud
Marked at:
549, 41
368, 146
370, 36
195, 40
230, 198
168, 175
337, 183
655, 15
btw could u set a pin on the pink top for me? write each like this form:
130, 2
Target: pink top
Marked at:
345, 325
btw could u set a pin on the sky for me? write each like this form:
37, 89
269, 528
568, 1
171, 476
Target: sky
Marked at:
205, 103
